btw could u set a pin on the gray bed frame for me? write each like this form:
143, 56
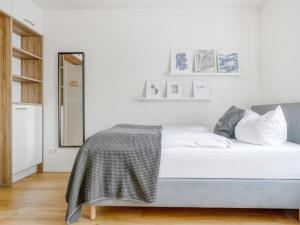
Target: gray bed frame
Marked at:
227, 193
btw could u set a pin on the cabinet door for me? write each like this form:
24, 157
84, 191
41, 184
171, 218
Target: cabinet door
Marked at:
27, 137
5, 6
37, 139
20, 140
27, 12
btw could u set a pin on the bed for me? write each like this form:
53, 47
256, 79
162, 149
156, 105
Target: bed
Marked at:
244, 176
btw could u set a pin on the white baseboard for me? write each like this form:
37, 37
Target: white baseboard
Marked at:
24, 173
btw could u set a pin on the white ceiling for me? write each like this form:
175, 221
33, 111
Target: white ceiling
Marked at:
144, 4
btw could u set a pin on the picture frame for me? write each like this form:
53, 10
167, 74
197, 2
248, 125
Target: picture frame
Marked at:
153, 89
174, 89
206, 61
200, 89
181, 61
229, 63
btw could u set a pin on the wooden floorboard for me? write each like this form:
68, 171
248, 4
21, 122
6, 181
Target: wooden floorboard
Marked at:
39, 200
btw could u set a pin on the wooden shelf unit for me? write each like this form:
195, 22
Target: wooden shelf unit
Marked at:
31, 79
31, 58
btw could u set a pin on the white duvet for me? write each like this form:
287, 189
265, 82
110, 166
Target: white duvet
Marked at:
193, 137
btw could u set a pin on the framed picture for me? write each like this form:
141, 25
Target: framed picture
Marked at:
174, 89
200, 89
153, 89
206, 61
228, 63
181, 61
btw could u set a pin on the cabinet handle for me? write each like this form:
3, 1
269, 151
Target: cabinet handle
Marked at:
28, 21
21, 108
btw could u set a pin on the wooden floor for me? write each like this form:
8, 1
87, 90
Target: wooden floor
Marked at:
39, 200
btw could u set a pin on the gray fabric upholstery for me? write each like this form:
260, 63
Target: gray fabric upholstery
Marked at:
292, 115
227, 123
221, 193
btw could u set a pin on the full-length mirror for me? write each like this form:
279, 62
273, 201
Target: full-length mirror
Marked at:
71, 98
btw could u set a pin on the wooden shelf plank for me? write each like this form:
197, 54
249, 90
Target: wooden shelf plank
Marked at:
22, 54
173, 99
25, 79
207, 74
23, 30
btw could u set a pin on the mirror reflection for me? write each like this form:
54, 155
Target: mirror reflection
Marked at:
71, 99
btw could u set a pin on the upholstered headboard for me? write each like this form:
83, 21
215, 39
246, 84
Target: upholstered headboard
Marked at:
292, 115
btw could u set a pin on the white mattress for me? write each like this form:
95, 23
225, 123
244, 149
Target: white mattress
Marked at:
242, 161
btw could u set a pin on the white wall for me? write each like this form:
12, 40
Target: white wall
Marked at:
279, 51
124, 48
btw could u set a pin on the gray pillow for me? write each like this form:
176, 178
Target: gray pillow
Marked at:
227, 123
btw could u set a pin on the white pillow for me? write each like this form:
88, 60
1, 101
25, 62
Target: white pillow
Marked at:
268, 129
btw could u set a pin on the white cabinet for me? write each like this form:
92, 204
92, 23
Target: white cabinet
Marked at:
27, 12
27, 136
5, 6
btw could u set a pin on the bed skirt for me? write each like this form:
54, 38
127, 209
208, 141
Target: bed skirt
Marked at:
220, 193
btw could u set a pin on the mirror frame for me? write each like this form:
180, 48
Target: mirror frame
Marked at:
59, 99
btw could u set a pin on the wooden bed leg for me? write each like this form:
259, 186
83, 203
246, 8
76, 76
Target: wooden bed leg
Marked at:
93, 212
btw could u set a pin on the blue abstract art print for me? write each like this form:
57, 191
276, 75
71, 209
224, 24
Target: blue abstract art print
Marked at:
181, 61
228, 63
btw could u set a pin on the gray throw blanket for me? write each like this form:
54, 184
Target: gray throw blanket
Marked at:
119, 163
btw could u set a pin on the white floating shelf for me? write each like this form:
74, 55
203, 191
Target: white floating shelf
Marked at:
207, 74
173, 99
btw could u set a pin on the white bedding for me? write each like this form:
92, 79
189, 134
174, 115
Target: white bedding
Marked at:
193, 137
243, 161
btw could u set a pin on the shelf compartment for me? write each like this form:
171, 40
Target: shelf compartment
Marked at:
173, 99
207, 74
19, 78
23, 30
22, 54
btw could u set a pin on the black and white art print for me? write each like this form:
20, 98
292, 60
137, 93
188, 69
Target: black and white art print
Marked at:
200, 89
174, 89
206, 61
153, 89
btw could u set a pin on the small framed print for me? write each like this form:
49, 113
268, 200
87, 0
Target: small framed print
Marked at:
181, 61
228, 63
73, 83
200, 89
153, 89
174, 89
206, 61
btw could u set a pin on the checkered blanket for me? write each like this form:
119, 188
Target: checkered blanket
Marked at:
119, 163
